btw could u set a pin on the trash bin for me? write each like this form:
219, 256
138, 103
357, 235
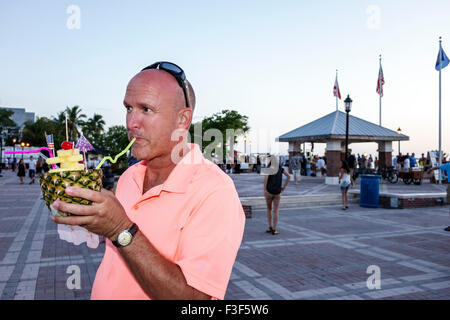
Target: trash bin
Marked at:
370, 190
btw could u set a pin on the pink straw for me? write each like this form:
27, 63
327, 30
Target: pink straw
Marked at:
33, 151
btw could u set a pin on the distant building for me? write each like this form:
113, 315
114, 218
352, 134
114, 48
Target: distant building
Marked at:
20, 116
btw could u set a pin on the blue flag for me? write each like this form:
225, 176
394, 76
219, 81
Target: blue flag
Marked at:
442, 57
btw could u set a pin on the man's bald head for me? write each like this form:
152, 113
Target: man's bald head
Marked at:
166, 84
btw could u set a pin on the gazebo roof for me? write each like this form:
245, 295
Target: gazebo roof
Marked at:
332, 127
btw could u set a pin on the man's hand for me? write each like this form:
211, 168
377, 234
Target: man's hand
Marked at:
105, 216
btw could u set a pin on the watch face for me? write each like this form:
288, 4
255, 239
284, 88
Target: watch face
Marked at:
124, 238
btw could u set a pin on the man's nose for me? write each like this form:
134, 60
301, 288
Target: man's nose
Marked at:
133, 120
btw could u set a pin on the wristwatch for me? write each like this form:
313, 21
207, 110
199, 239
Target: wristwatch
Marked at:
126, 236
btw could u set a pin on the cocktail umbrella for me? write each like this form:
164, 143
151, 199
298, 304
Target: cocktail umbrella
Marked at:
83, 144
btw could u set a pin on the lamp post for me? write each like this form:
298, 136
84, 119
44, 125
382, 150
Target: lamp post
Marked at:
245, 145
399, 131
348, 108
22, 144
14, 146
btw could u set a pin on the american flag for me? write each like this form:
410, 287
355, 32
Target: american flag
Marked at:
336, 91
50, 143
380, 82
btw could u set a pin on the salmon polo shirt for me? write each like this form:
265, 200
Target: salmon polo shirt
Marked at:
194, 219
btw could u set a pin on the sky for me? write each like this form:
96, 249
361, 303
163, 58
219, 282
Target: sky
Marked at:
274, 61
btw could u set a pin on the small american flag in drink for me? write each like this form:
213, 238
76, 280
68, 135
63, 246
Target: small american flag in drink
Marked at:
50, 142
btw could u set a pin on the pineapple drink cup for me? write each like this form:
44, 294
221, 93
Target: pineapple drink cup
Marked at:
70, 173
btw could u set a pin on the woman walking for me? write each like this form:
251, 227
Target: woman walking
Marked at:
39, 165
344, 183
272, 193
21, 170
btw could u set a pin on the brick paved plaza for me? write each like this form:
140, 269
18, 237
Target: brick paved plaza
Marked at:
320, 253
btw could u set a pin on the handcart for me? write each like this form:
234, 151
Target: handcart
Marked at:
414, 175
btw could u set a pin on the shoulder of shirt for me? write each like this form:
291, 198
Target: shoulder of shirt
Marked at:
211, 176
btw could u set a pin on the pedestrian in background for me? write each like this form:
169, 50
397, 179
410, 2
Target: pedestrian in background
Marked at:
370, 162
412, 160
21, 170
422, 160
344, 183
308, 165
321, 166
406, 164
39, 164
445, 168
45, 167
31, 169
296, 166
399, 162
303, 163
312, 165
272, 193
351, 162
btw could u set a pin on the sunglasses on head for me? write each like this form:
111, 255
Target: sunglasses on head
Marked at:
176, 72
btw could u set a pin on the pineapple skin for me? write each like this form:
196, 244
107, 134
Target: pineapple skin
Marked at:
53, 185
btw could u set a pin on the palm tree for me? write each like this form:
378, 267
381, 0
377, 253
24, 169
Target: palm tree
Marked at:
74, 120
34, 132
94, 125
5, 118
93, 128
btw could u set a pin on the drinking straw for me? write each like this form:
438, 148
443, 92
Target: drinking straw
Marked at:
31, 151
117, 156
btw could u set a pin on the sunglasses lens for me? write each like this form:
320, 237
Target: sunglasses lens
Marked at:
173, 68
153, 66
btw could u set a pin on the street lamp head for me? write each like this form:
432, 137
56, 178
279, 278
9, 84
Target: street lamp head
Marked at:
348, 104
14, 140
399, 131
28, 144
22, 144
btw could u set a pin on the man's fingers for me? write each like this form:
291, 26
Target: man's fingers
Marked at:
78, 209
106, 192
73, 220
84, 193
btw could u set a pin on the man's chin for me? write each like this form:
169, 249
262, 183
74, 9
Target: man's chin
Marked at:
140, 154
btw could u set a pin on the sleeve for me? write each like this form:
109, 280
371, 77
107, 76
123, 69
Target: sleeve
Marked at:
210, 240
446, 168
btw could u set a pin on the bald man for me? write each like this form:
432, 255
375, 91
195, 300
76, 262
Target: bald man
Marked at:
175, 224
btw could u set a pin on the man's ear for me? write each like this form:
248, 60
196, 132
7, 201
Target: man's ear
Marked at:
184, 118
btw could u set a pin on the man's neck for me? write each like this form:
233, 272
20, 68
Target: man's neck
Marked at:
156, 173
158, 170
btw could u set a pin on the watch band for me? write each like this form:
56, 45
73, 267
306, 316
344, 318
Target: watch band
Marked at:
132, 230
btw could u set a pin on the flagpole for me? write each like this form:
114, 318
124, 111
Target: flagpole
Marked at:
336, 93
379, 84
440, 69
